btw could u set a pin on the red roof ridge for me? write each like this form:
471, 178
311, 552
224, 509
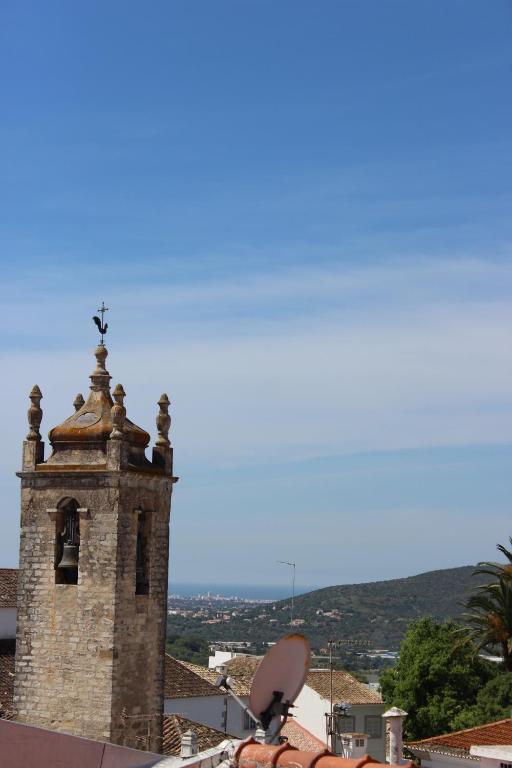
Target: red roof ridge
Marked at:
251, 753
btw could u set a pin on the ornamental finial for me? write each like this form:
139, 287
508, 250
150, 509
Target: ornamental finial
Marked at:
78, 402
102, 325
35, 414
163, 421
118, 413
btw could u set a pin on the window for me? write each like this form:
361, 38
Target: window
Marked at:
249, 723
373, 726
345, 723
67, 543
142, 553
359, 742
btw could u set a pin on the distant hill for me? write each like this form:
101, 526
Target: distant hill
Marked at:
378, 612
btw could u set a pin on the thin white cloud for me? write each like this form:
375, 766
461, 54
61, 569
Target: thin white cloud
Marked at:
366, 359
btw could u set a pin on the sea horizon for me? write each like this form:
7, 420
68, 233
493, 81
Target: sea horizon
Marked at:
244, 591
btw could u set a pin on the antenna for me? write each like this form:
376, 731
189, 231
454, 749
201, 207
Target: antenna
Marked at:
284, 562
276, 684
343, 707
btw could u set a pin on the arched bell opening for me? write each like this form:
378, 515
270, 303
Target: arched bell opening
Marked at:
142, 552
67, 542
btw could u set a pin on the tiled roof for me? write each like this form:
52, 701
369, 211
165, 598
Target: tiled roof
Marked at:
176, 725
345, 687
8, 587
241, 683
182, 681
301, 738
459, 742
7, 650
251, 754
242, 666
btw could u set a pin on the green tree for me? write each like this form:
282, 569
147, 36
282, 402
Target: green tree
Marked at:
490, 608
437, 675
187, 648
493, 702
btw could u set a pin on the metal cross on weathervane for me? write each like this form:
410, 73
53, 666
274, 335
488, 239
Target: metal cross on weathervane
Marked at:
102, 326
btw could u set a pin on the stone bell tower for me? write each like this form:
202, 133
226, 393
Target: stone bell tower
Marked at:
92, 594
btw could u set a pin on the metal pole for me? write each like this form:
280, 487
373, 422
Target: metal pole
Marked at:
292, 565
331, 643
293, 594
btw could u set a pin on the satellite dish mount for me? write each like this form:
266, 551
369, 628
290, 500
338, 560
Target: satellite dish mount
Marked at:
276, 684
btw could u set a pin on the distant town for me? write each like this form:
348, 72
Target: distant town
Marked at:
215, 597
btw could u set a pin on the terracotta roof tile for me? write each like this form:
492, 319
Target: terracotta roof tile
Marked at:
243, 666
176, 725
240, 675
345, 687
182, 681
459, 742
301, 738
8, 587
7, 651
250, 753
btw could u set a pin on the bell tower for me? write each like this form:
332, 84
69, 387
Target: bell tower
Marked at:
92, 594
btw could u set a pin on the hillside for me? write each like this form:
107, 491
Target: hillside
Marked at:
377, 612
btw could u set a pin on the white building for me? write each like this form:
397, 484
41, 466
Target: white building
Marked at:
220, 658
462, 748
190, 691
363, 717
493, 757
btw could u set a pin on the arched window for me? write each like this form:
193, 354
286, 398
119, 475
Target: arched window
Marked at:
67, 542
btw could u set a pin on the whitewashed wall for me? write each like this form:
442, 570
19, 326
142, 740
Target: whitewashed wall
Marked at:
431, 760
208, 710
310, 713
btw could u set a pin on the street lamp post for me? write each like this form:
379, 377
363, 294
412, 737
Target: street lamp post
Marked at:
292, 565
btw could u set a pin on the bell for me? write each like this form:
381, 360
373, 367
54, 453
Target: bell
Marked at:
69, 556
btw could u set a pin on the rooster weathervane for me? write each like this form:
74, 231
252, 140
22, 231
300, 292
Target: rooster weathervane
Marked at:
102, 326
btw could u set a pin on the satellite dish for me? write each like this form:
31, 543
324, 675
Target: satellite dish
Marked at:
280, 676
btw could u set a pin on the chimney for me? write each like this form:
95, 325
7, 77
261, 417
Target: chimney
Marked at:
188, 744
394, 717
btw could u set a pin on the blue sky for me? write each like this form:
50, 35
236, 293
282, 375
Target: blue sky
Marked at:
299, 215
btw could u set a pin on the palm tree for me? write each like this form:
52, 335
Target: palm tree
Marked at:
490, 608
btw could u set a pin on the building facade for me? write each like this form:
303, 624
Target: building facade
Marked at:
489, 744
190, 691
364, 713
92, 585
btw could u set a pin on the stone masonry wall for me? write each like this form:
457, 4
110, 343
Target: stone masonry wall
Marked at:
138, 674
65, 637
89, 657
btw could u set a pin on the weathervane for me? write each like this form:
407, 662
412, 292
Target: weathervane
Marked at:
102, 326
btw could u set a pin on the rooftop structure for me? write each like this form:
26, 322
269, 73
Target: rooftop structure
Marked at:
23, 746
459, 743
300, 738
8, 587
175, 728
345, 687
92, 586
183, 680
